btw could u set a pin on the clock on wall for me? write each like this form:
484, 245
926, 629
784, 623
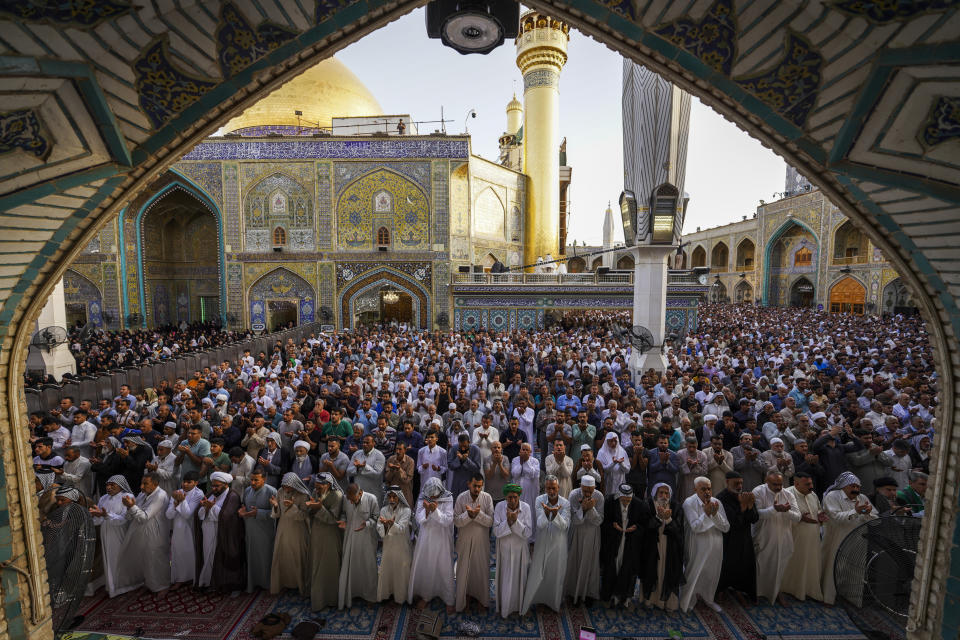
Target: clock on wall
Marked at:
703, 278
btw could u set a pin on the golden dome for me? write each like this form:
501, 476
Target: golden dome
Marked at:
323, 92
514, 104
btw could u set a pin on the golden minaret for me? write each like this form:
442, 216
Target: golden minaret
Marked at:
541, 54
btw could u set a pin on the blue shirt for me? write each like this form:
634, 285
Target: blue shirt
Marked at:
571, 404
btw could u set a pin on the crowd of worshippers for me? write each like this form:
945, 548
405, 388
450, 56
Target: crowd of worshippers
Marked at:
772, 434
105, 350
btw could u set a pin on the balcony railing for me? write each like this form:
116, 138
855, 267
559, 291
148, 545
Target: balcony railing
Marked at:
621, 278
745, 267
850, 260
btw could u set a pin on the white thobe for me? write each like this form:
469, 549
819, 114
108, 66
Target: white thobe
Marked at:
147, 547
209, 522
394, 573
241, 474
183, 554
370, 476
513, 557
548, 568
842, 520
113, 533
801, 578
583, 562
431, 574
169, 473
703, 551
773, 538
527, 475
563, 470
493, 435
81, 436
433, 457
525, 422
77, 473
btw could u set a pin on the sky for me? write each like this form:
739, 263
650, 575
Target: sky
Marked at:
728, 172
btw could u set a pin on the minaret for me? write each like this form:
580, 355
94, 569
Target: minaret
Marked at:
541, 54
511, 142
656, 124
608, 242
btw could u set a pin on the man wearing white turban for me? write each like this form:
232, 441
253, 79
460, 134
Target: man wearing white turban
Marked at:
846, 509
221, 555
302, 465
582, 581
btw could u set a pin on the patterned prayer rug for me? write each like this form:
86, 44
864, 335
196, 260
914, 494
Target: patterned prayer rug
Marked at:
183, 613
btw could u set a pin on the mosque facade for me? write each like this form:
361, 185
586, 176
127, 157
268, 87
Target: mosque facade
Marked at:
799, 250
298, 213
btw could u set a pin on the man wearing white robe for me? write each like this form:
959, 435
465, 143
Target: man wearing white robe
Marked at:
559, 464
473, 516
773, 534
181, 509
706, 522
432, 572
393, 526
582, 581
146, 553
358, 568
110, 515
525, 470
431, 459
846, 509
801, 578
366, 468
615, 462
548, 568
512, 525
164, 465
209, 515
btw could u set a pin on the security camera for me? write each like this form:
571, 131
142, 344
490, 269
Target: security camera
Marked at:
473, 113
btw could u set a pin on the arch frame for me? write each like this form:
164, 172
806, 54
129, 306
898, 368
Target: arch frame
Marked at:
377, 277
611, 25
768, 250
374, 224
247, 290
191, 188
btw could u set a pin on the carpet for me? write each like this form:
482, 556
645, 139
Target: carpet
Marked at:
185, 613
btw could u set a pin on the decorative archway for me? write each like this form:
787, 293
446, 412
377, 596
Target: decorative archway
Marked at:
720, 257
746, 251
277, 292
385, 277
625, 262
743, 292
378, 198
848, 295
699, 257
82, 296
178, 193
850, 245
880, 187
802, 293
779, 257
897, 298
576, 265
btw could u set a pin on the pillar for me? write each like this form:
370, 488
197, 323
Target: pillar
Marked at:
541, 54
58, 360
650, 303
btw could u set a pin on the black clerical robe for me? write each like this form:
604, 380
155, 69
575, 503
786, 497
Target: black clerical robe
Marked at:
620, 583
230, 558
650, 553
739, 569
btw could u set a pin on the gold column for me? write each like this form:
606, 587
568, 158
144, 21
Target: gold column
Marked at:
541, 54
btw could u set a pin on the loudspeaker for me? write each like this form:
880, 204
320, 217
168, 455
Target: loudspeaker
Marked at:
464, 268
278, 249
381, 248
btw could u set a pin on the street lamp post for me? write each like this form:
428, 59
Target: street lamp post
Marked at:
655, 241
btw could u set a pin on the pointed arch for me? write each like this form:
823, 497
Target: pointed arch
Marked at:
625, 262
81, 292
848, 295
385, 276
850, 245
358, 216
280, 284
768, 248
175, 182
699, 257
746, 255
720, 257
743, 292
489, 214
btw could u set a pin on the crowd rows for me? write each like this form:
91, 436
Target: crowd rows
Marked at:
772, 434
97, 351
